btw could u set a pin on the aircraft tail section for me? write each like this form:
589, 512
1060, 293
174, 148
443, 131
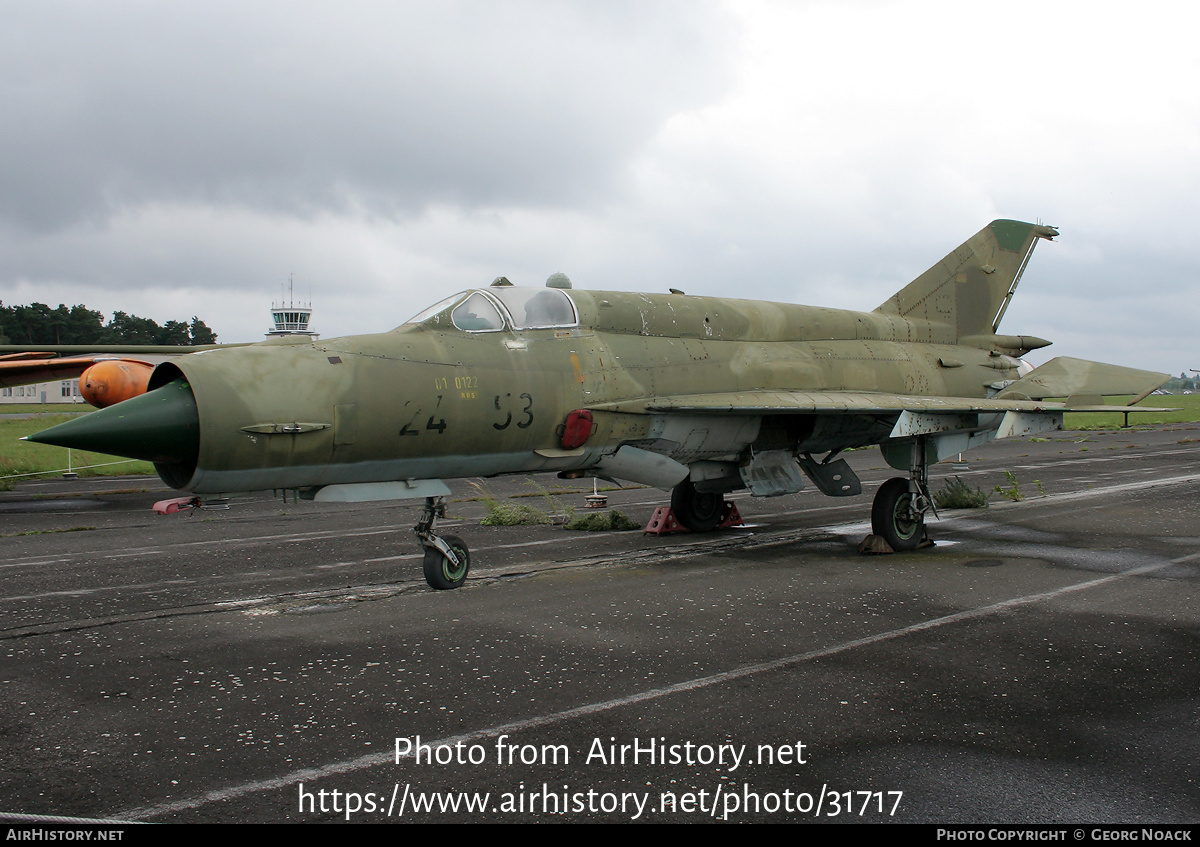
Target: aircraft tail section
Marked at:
970, 288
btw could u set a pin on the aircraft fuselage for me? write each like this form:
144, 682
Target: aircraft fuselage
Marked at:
431, 400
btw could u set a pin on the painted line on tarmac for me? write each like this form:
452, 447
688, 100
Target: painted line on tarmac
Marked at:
235, 792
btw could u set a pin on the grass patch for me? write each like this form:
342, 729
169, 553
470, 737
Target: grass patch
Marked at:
1013, 492
513, 514
1188, 405
959, 495
45, 408
612, 521
510, 513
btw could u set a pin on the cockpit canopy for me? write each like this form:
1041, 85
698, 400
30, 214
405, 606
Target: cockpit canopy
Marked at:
519, 308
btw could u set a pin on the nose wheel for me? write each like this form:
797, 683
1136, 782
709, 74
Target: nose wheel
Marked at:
443, 572
447, 559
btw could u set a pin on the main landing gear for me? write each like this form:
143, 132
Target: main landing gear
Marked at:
898, 513
447, 559
895, 516
699, 511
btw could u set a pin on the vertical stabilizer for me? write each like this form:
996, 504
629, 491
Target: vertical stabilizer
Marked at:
970, 288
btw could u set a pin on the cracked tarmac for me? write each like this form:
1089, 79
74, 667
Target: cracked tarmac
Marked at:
1038, 665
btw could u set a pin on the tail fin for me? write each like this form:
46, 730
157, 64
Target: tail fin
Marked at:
971, 287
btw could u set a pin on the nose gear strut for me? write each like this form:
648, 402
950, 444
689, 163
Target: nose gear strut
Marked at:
447, 559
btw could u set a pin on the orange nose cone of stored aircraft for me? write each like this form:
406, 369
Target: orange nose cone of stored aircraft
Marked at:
114, 380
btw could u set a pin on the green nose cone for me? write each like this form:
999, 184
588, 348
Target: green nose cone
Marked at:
159, 426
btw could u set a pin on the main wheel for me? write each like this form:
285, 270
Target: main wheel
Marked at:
439, 572
699, 511
892, 516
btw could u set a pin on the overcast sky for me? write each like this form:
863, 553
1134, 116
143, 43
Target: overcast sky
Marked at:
176, 159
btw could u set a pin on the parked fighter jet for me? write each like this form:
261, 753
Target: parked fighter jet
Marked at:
699, 395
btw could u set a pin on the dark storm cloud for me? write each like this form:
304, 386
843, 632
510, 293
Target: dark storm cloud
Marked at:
302, 108
189, 157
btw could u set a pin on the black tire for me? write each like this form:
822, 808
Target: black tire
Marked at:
439, 573
699, 511
891, 518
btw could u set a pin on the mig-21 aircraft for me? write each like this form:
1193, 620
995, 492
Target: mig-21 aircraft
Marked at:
698, 395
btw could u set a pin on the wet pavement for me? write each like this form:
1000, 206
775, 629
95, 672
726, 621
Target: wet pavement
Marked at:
265, 662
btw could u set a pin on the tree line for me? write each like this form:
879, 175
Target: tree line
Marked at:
37, 323
1183, 382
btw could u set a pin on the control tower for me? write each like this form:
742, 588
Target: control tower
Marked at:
291, 318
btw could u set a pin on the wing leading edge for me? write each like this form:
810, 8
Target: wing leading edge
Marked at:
32, 368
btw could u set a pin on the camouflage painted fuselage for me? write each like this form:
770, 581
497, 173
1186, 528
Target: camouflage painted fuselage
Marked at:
718, 390
434, 401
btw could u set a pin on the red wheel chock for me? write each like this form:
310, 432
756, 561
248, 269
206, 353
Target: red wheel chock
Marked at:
664, 522
170, 507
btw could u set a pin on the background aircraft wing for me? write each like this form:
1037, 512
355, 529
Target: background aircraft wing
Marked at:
32, 368
108, 373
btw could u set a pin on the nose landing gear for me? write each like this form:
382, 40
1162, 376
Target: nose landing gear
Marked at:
447, 559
